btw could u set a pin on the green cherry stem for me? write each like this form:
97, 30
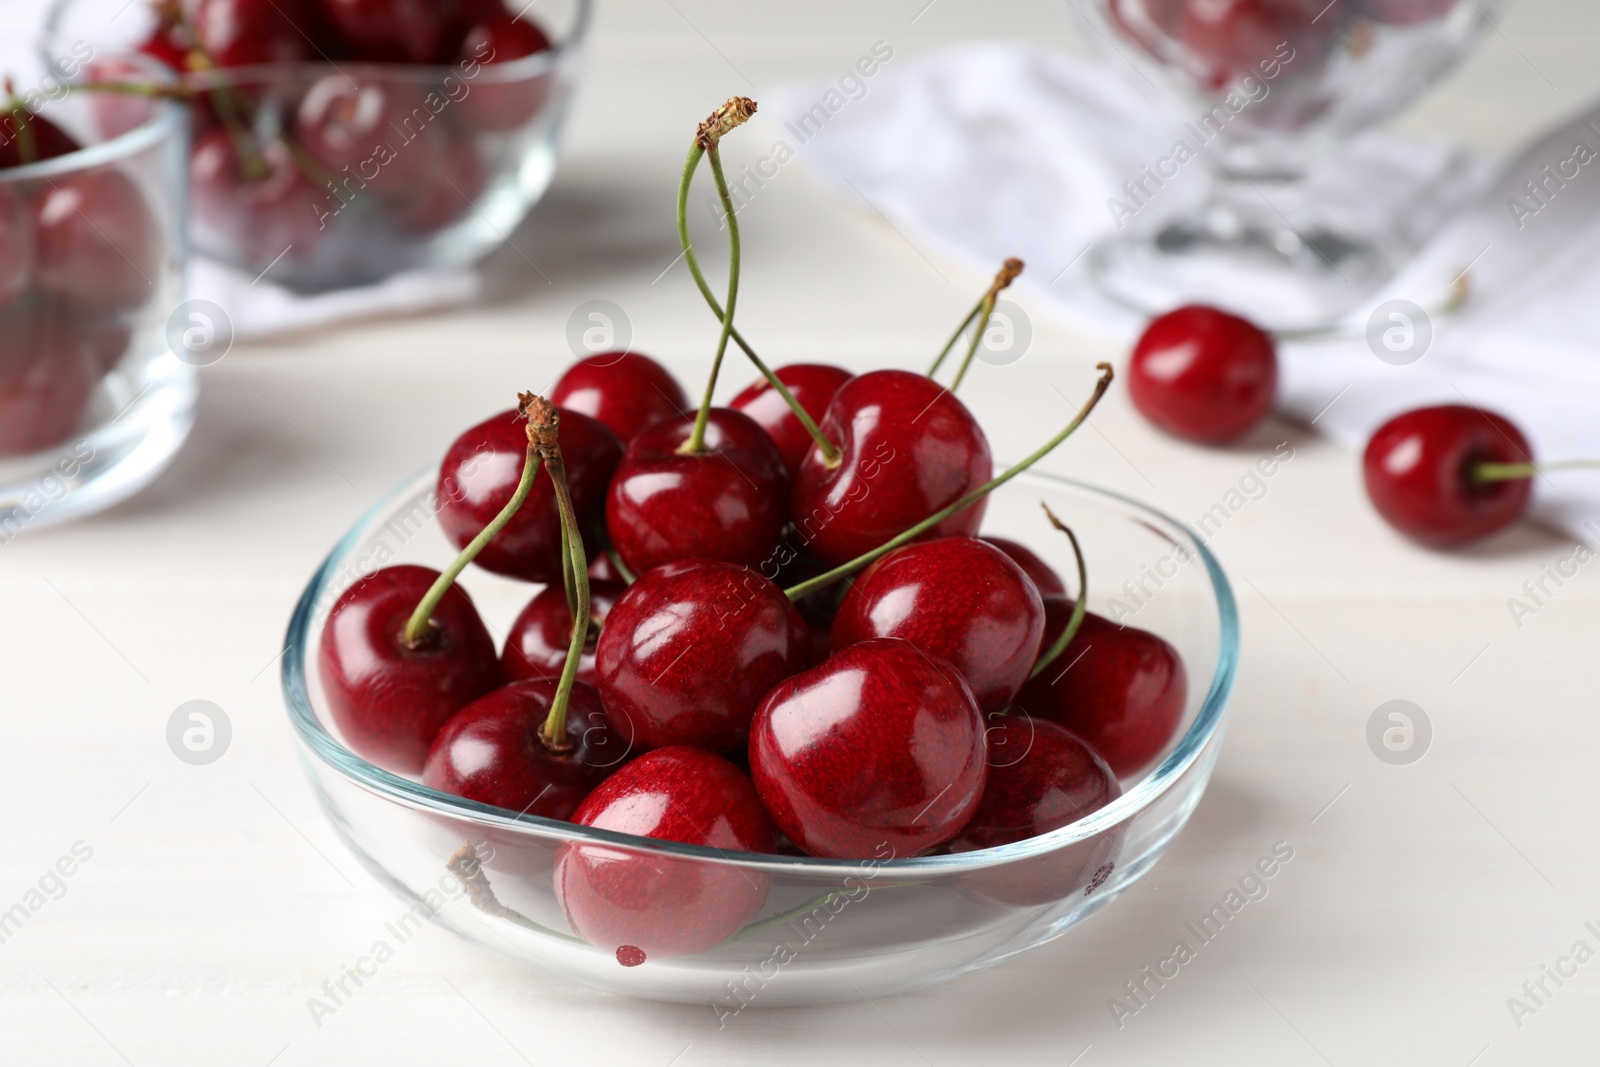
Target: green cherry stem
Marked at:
22, 122
544, 425
417, 625
982, 310
1080, 607
844, 570
736, 111
1502, 472
697, 438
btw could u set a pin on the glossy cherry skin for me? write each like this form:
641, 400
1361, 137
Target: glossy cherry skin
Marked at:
27, 138
1119, 688
504, 105
480, 473
1203, 374
877, 751
1041, 778
729, 502
240, 33
957, 598
813, 386
648, 906
355, 126
490, 751
394, 31
16, 246
48, 367
691, 648
1418, 469
1045, 578
278, 212
536, 646
624, 390
389, 700
910, 448
97, 247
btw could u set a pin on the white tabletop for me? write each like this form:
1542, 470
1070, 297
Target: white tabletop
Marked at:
217, 899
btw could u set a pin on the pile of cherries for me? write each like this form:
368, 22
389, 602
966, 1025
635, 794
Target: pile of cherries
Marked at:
1443, 475
282, 155
768, 627
80, 254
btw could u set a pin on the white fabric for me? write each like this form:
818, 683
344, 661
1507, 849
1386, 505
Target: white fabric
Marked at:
996, 149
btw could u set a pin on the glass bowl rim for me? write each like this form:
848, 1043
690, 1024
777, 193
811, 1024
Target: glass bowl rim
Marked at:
1208, 722
516, 70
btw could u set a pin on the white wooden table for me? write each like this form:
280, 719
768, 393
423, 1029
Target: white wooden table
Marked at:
215, 900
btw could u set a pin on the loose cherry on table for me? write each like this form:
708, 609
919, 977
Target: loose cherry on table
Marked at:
1041, 778
813, 386
493, 751
877, 752
687, 653
1203, 374
1450, 474
480, 473
909, 448
503, 38
957, 598
625, 390
1045, 579
1119, 688
97, 246
536, 645
647, 906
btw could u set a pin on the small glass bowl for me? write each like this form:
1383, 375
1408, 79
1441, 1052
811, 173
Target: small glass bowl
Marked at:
93, 405
822, 930
324, 176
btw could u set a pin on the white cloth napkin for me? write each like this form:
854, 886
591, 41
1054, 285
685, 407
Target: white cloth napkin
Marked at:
998, 149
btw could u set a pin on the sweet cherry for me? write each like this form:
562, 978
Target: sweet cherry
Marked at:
878, 751
645, 905
1045, 579
504, 105
353, 125
394, 31
536, 646
690, 649
48, 367
1234, 39
625, 390
813, 386
264, 204
241, 33
28, 138
957, 598
16, 246
98, 248
1203, 374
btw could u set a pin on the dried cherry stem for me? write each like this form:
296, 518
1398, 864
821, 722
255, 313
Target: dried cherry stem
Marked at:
844, 570
544, 425
1503, 472
417, 626
982, 311
1080, 607
736, 111
697, 437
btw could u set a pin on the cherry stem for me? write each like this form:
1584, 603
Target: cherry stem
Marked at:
22, 122
844, 570
697, 438
1080, 608
148, 89
713, 128
417, 625
1502, 472
982, 311
545, 423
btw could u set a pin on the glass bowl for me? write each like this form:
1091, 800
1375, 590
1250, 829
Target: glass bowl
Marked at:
324, 176
822, 930
93, 404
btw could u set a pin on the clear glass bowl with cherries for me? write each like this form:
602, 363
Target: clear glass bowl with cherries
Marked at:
336, 143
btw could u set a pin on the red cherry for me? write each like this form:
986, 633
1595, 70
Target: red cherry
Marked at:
909, 448
1203, 374
536, 646
1419, 470
1233, 39
1119, 688
813, 386
447, 195
356, 127
1041, 778
646, 906
47, 371
691, 648
168, 44
240, 33
490, 751
879, 751
1045, 579
503, 105
624, 390
27, 138
394, 31
957, 598
388, 699
97, 247
726, 503
262, 216
16, 246
602, 569
479, 475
